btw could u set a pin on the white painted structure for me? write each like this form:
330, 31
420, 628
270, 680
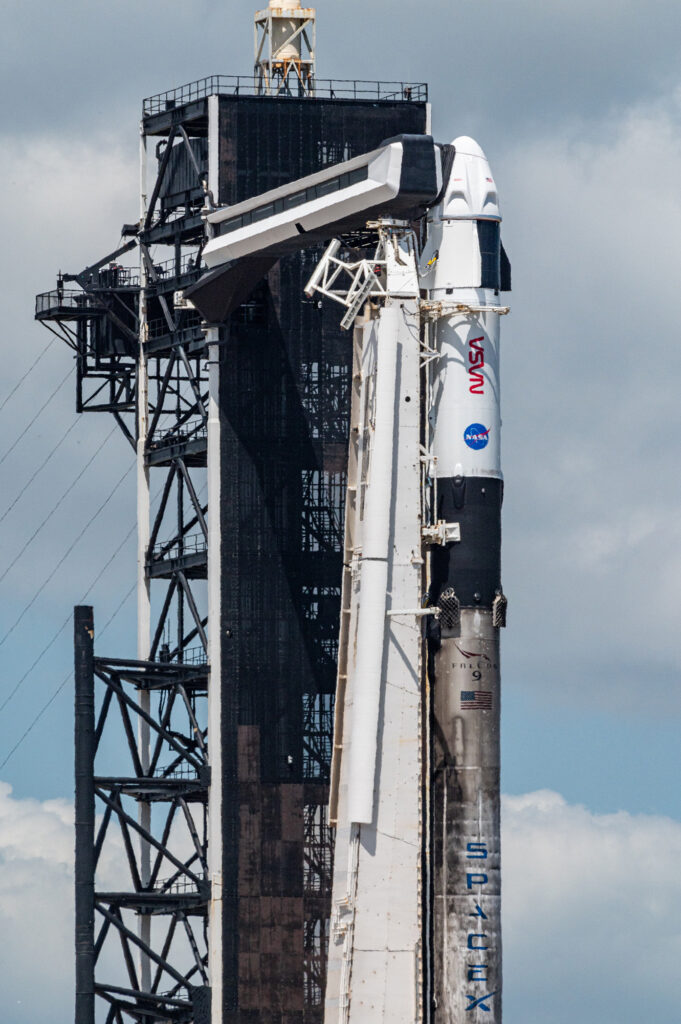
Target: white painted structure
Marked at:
282, 214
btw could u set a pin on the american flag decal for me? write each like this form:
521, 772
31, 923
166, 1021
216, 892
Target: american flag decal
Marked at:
476, 700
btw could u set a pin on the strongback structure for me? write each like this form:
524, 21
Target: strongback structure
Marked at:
207, 756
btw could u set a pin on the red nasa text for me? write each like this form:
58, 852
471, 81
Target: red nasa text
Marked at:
476, 359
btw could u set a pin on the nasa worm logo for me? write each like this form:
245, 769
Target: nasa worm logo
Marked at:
476, 436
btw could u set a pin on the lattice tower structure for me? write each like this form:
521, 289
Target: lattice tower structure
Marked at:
208, 755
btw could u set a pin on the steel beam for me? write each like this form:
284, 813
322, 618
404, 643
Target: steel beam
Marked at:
85, 813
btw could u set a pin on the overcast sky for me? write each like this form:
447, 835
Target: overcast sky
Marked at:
578, 107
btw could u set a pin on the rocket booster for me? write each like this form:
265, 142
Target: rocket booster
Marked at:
462, 267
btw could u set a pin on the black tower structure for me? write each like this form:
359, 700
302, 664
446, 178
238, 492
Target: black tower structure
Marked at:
207, 758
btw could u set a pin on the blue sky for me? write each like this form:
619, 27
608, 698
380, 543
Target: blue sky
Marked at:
578, 107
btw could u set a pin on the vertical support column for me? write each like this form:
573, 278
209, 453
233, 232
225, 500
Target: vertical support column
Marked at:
180, 552
312, 86
143, 589
215, 968
143, 529
214, 828
83, 642
352, 504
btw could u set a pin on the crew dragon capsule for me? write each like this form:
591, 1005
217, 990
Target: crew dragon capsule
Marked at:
464, 268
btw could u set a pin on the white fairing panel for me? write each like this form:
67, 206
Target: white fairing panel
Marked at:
453, 252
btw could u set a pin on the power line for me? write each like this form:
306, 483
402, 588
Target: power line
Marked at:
65, 555
68, 618
36, 719
38, 470
61, 686
118, 608
65, 623
37, 416
63, 626
61, 629
59, 502
30, 369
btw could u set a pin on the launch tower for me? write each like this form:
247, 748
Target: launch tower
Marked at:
299, 771
240, 433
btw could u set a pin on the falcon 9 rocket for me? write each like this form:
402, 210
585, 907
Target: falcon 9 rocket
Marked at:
462, 270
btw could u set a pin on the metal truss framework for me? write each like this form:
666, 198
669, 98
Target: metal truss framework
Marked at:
143, 360
143, 762
159, 400
167, 866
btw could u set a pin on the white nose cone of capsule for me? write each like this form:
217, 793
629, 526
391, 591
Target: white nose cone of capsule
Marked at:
461, 265
470, 191
452, 256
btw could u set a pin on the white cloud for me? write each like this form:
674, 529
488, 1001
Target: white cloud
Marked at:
36, 908
592, 914
592, 911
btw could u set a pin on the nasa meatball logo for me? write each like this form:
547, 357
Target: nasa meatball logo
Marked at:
476, 436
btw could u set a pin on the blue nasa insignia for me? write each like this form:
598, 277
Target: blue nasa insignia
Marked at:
476, 436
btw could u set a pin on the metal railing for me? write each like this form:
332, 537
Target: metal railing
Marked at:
158, 328
190, 544
198, 432
69, 299
194, 655
249, 85
177, 886
188, 264
115, 276
185, 772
